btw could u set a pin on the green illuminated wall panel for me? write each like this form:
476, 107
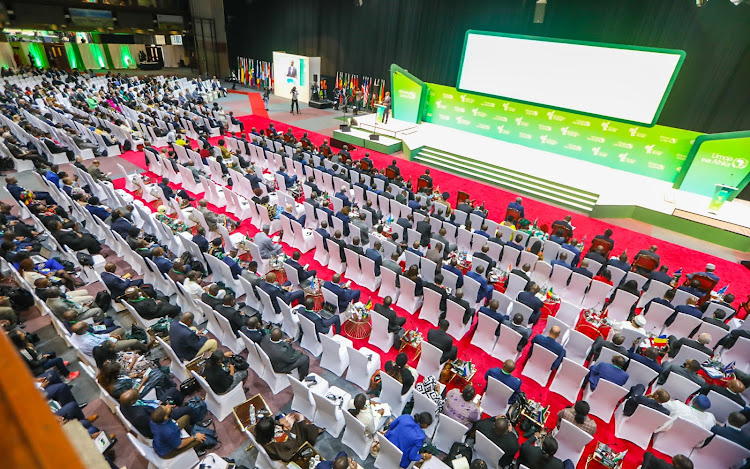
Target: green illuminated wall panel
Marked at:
657, 152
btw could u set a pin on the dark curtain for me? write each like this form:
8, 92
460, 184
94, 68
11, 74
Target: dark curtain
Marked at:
711, 94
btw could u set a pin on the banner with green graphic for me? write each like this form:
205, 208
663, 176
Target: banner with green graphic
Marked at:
717, 159
407, 95
658, 152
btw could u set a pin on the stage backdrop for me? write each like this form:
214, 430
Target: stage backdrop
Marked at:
657, 152
717, 159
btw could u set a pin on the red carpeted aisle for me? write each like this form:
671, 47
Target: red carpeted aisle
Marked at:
496, 201
256, 102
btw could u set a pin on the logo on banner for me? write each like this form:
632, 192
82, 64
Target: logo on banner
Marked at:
500, 118
554, 117
487, 104
476, 112
582, 123
440, 105
462, 121
633, 131
596, 139
519, 121
739, 163
607, 127
649, 149
410, 95
546, 128
447, 96
524, 135
500, 129
570, 146
483, 126
665, 139
657, 166
466, 99
624, 158
508, 107
459, 109
629, 146
531, 112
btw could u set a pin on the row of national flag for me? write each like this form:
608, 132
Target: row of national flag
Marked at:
373, 89
254, 73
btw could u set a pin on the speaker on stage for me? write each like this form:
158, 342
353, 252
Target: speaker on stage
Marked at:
374, 137
344, 128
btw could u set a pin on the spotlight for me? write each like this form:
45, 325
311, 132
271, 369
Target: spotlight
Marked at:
700, 3
358, 3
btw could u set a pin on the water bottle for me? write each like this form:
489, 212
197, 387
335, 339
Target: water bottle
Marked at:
253, 418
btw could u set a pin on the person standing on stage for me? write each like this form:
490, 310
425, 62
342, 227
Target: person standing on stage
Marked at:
387, 104
357, 101
295, 99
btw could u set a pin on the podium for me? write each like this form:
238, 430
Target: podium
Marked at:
721, 193
380, 109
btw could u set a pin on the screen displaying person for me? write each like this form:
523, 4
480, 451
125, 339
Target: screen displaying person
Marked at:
291, 73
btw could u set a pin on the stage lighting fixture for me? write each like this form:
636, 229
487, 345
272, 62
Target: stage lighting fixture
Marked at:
700, 3
541, 6
358, 3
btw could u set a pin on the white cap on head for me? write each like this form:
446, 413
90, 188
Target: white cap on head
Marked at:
710, 267
639, 320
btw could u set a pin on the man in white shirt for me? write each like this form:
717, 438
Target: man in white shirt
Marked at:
85, 341
695, 413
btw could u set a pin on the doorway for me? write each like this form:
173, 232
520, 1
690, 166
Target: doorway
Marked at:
56, 56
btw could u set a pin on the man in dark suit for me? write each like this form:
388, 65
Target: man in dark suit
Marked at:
437, 287
731, 431
343, 215
138, 412
232, 261
302, 274
116, 284
187, 343
485, 289
530, 299
458, 297
688, 370
337, 239
601, 342
229, 310
620, 263
649, 358
679, 461
517, 325
612, 372
394, 167
550, 343
453, 268
424, 229
211, 297
284, 358
523, 272
395, 322
200, 239
344, 294
504, 375
660, 275
428, 179
439, 338
491, 311
701, 344
717, 320
374, 254
518, 205
486, 257
516, 243
322, 325
666, 300
285, 292
406, 223
169, 193
654, 401
583, 270
344, 197
572, 246
650, 252
253, 330
690, 308
164, 264
597, 255
500, 432
558, 236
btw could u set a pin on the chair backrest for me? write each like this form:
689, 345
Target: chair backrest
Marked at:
486, 449
722, 406
719, 452
569, 379
679, 387
448, 432
422, 403
638, 373
571, 441
391, 393
429, 360
496, 396
619, 308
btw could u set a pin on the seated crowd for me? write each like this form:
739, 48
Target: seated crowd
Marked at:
465, 275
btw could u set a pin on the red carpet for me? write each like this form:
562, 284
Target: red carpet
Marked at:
496, 201
256, 102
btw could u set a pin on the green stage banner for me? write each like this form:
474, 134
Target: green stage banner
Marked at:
717, 159
658, 152
407, 95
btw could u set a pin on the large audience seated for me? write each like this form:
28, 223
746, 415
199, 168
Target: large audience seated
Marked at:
448, 263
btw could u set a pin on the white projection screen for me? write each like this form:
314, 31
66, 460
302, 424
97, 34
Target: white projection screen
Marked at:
609, 80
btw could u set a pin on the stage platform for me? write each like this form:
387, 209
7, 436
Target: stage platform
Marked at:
361, 138
582, 186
